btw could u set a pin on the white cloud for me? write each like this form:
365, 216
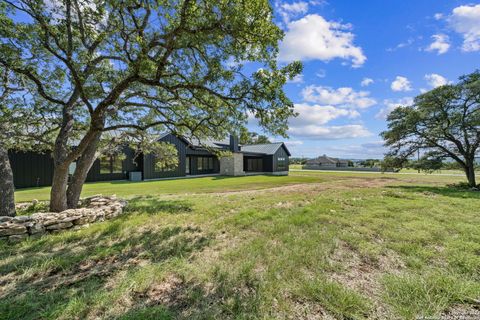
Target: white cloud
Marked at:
312, 122
391, 105
293, 143
374, 149
466, 21
438, 16
297, 79
321, 73
441, 44
290, 10
435, 80
366, 82
343, 97
314, 38
319, 115
408, 43
401, 84
331, 132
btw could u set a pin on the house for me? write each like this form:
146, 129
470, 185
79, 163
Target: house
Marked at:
325, 162
194, 158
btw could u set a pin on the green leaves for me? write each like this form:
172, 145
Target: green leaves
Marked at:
445, 120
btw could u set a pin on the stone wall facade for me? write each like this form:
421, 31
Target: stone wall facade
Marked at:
233, 165
96, 208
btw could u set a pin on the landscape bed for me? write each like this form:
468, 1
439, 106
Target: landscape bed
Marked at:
312, 245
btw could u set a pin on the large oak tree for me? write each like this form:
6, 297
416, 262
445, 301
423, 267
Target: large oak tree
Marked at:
26, 124
443, 122
190, 67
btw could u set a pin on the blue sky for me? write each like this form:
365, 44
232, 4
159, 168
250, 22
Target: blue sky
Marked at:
397, 48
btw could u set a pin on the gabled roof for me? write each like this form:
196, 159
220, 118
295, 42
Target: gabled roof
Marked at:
222, 144
326, 159
267, 148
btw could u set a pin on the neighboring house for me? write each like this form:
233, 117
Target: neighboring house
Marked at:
325, 162
194, 158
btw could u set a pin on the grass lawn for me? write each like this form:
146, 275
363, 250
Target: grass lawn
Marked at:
313, 245
175, 186
446, 172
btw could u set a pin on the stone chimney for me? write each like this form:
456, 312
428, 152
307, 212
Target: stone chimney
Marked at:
234, 143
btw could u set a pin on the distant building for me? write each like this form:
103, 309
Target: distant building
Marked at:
325, 162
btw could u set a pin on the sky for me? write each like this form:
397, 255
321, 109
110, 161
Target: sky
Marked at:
363, 58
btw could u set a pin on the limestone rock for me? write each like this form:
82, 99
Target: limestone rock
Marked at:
12, 229
5, 219
61, 225
95, 208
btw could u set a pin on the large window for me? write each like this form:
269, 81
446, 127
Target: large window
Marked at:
161, 166
111, 164
282, 163
204, 163
255, 165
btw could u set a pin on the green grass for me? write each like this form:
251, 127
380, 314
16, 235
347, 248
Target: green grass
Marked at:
160, 187
441, 172
344, 245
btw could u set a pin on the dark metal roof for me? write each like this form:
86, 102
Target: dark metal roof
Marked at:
260, 149
267, 148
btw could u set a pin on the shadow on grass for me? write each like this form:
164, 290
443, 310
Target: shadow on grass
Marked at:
447, 191
228, 295
42, 278
153, 205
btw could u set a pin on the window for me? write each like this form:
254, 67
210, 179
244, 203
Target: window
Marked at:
160, 166
105, 165
117, 164
187, 165
111, 164
204, 163
255, 165
282, 163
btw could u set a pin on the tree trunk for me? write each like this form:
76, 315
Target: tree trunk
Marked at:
58, 194
470, 172
7, 188
84, 163
58, 198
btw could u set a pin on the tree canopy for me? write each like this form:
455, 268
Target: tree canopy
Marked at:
198, 68
248, 137
444, 122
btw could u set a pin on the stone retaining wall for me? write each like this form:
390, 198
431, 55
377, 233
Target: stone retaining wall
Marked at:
96, 208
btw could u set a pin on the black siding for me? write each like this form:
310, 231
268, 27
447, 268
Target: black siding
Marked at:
31, 169
149, 161
281, 153
268, 163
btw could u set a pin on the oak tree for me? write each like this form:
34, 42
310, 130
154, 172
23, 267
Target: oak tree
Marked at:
445, 121
190, 67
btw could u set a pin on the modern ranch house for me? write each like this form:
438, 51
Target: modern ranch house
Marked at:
35, 169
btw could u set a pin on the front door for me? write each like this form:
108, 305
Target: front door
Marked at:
187, 165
